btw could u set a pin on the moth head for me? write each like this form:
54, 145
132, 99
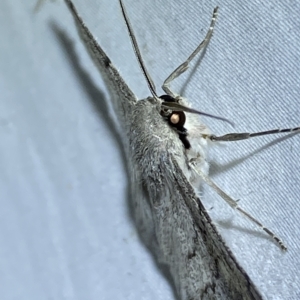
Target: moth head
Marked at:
176, 118
174, 113
170, 104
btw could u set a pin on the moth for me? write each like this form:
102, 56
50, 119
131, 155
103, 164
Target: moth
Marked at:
166, 146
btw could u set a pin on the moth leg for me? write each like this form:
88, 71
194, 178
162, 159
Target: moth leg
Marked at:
233, 204
231, 137
184, 66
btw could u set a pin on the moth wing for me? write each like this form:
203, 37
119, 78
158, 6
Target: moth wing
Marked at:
176, 227
122, 97
228, 277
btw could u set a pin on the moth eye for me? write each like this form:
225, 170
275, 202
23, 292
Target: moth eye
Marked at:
174, 119
177, 118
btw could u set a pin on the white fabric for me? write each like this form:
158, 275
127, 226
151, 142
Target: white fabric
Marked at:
65, 231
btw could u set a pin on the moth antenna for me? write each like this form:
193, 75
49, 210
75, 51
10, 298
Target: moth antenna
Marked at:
179, 107
149, 80
137, 52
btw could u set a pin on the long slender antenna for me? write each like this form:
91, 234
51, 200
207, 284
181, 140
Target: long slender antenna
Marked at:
137, 51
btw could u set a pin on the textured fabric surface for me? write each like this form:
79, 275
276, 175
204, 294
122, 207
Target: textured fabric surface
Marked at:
65, 231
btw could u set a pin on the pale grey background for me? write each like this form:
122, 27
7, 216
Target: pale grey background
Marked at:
65, 232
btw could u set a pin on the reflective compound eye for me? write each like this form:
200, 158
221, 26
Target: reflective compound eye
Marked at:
177, 119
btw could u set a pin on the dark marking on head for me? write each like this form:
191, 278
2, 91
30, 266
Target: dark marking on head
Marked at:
168, 98
184, 140
176, 120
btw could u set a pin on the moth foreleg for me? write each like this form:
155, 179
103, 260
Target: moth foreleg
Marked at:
184, 66
234, 204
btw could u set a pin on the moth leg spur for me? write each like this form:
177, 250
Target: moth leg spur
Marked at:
184, 66
233, 204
